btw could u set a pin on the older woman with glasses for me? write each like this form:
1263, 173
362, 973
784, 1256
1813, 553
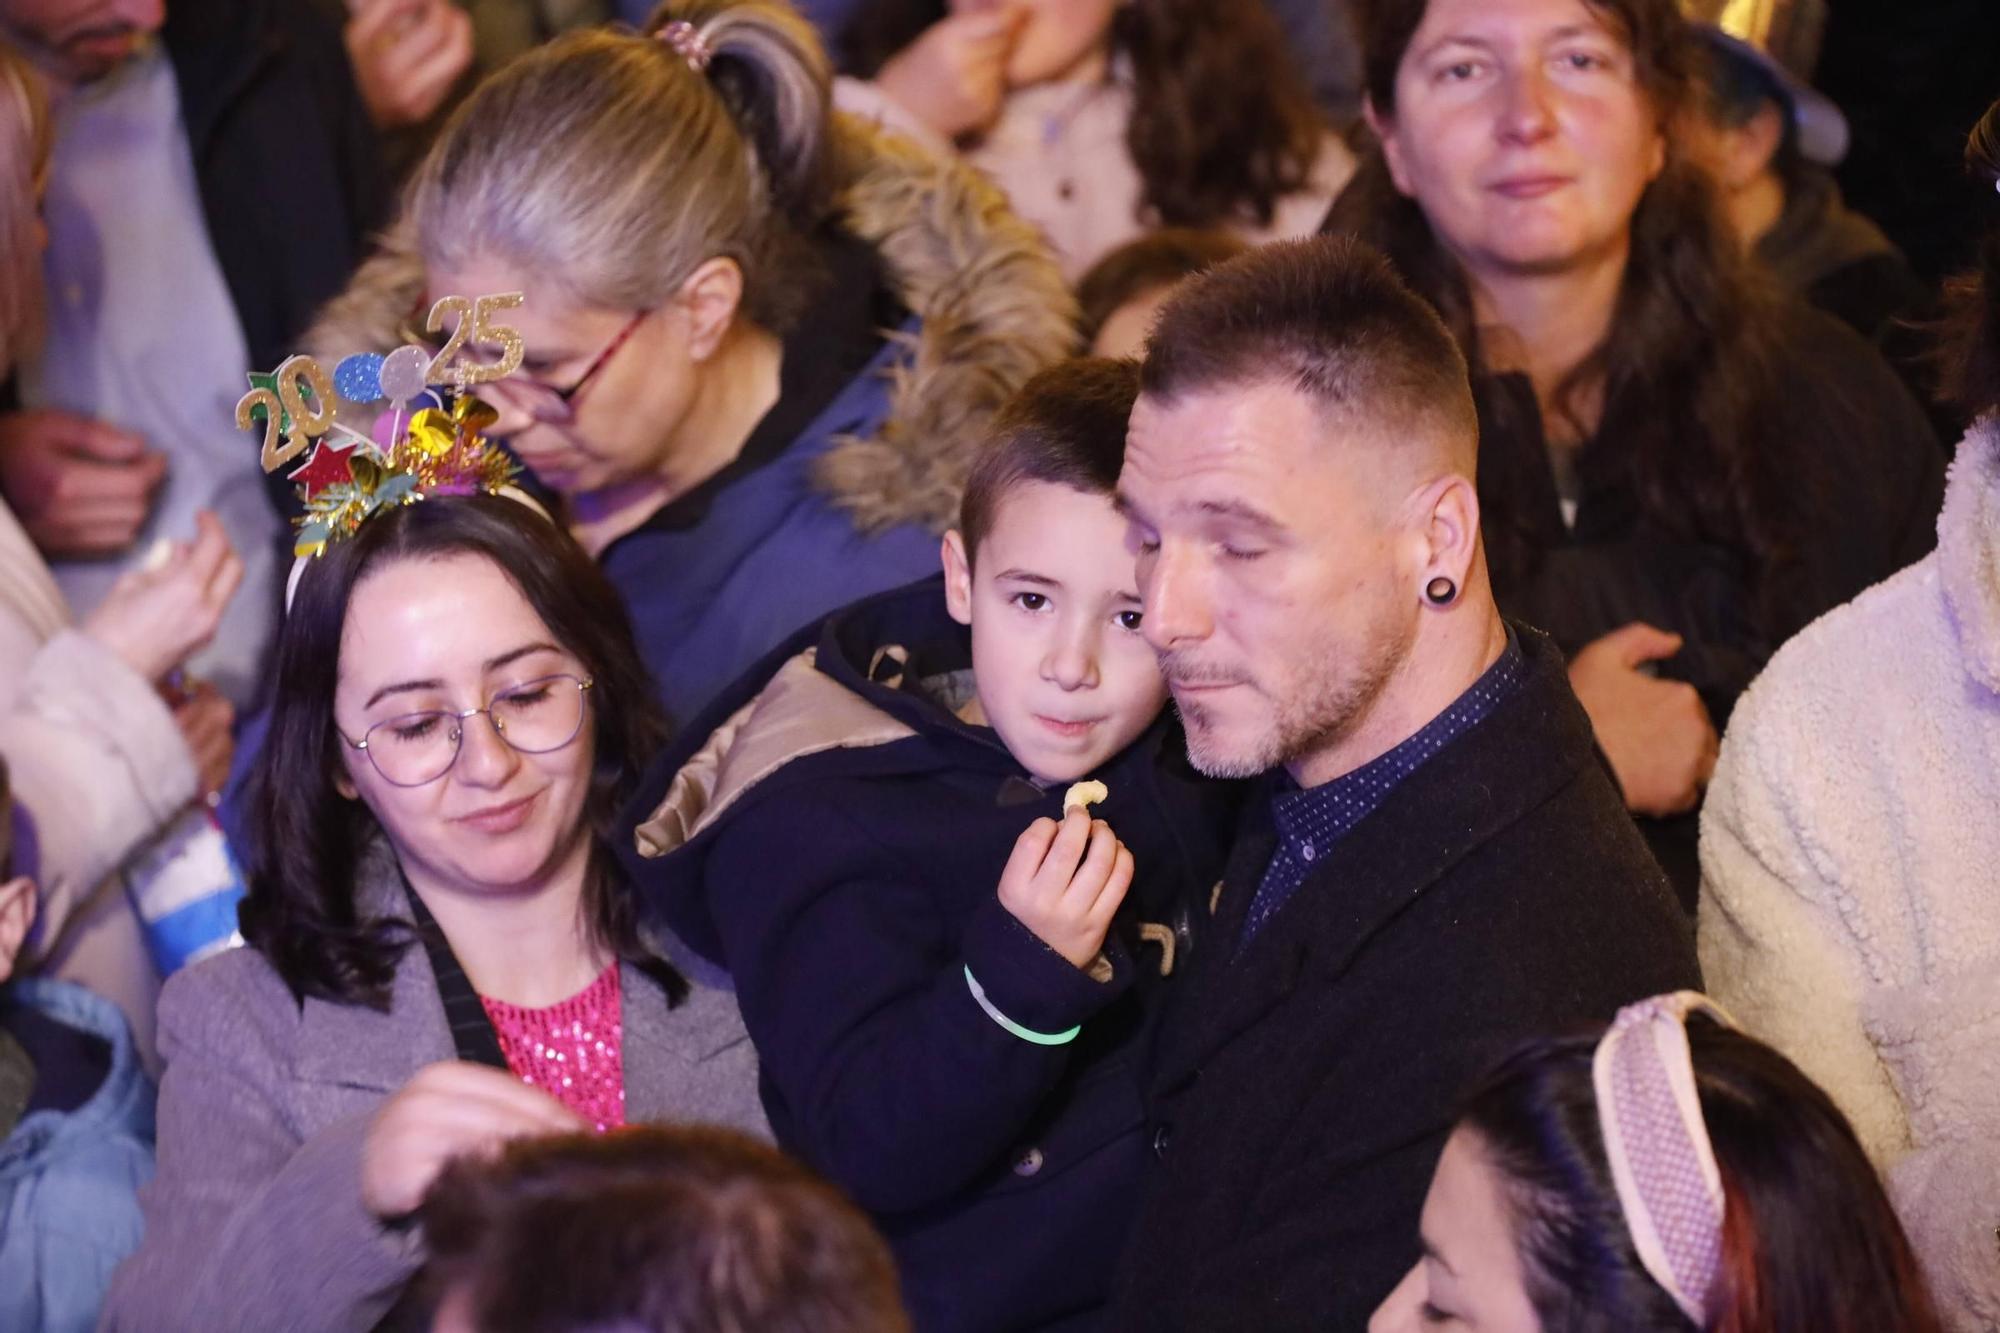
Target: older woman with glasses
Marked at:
762, 341
442, 954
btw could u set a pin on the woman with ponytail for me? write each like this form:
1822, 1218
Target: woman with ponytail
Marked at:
1850, 911
761, 340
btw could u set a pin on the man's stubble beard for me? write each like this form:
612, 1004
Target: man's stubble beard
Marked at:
1320, 711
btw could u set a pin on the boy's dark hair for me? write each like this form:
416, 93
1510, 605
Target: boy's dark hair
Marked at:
683, 1229
1327, 316
1157, 259
1066, 426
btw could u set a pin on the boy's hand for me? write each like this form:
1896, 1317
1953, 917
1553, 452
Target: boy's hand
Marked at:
1064, 882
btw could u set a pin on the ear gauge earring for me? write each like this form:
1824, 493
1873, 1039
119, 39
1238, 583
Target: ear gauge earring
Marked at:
1441, 591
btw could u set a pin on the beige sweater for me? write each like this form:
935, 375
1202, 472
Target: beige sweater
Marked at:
1851, 877
98, 767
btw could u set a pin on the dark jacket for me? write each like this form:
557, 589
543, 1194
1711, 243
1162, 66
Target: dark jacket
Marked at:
835, 838
1838, 261
1304, 1086
284, 157
1864, 458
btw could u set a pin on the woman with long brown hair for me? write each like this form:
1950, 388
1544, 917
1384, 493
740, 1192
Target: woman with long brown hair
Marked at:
1102, 119
1678, 470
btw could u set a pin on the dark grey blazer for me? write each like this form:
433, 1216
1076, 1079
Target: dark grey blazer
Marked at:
255, 1219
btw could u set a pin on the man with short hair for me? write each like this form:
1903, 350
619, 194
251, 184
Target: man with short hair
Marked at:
1440, 865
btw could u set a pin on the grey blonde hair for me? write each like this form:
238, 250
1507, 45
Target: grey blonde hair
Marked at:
607, 165
25, 139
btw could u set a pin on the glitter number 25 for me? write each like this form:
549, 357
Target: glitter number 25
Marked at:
475, 324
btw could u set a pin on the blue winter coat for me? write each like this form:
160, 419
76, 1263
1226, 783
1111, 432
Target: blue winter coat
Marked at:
839, 852
715, 585
69, 1180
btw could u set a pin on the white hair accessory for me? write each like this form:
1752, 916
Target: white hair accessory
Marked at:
1662, 1163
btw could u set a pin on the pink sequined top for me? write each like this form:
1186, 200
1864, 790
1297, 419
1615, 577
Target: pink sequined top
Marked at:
572, 1049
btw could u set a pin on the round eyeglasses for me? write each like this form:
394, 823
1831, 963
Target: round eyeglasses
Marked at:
534, 717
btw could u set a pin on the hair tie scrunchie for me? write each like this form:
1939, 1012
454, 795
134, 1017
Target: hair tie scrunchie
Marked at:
1656, 1142
687, 43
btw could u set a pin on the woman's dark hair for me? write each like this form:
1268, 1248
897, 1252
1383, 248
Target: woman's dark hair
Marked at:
1809, 1239
1223, 124
675, 1228
309, 841
1972, 341
1689, 366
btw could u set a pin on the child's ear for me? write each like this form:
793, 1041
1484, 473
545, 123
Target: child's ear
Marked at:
17, 916
957, 578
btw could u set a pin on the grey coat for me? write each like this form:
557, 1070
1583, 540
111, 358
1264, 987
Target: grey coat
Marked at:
255, 1220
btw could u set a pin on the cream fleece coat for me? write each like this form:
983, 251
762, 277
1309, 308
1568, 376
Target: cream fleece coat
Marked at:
1851, 877
99, 767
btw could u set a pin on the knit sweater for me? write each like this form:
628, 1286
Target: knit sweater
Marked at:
1850, 908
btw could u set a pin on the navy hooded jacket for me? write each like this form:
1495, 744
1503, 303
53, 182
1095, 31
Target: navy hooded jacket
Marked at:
832, 834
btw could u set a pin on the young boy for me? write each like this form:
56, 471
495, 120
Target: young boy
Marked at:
946, 973
76, 1130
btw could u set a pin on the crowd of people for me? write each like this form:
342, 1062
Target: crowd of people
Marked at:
991, 666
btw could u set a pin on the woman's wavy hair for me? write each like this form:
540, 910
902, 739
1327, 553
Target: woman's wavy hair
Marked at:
1809, 1238
309, 842
1972, 331
1223, 125
1689, 368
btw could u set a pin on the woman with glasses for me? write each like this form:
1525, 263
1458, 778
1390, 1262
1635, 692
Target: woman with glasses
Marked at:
761, 341
442, 954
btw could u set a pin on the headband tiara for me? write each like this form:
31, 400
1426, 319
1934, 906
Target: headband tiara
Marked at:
440, 448
687, 43
1662, 1163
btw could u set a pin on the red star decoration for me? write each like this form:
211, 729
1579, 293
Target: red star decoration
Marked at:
328, 466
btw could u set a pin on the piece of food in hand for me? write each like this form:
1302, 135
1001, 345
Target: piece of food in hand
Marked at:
1083, 795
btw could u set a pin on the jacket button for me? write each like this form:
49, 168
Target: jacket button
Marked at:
1162, 1136
1029, 1162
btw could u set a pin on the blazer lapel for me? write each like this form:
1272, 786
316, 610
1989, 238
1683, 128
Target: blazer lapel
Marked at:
353, 1046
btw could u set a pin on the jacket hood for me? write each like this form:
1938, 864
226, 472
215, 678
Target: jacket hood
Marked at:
991, 306
1969, 549
877, 672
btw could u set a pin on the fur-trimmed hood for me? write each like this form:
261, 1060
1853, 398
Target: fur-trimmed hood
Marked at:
991, 303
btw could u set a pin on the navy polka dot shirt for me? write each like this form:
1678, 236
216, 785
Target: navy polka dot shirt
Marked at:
1311, 820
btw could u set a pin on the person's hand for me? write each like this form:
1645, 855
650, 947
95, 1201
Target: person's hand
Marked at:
1656, 733
80, 487
207, 723
447, 1110
154, 618
1064, 882
954, 76
407, 56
